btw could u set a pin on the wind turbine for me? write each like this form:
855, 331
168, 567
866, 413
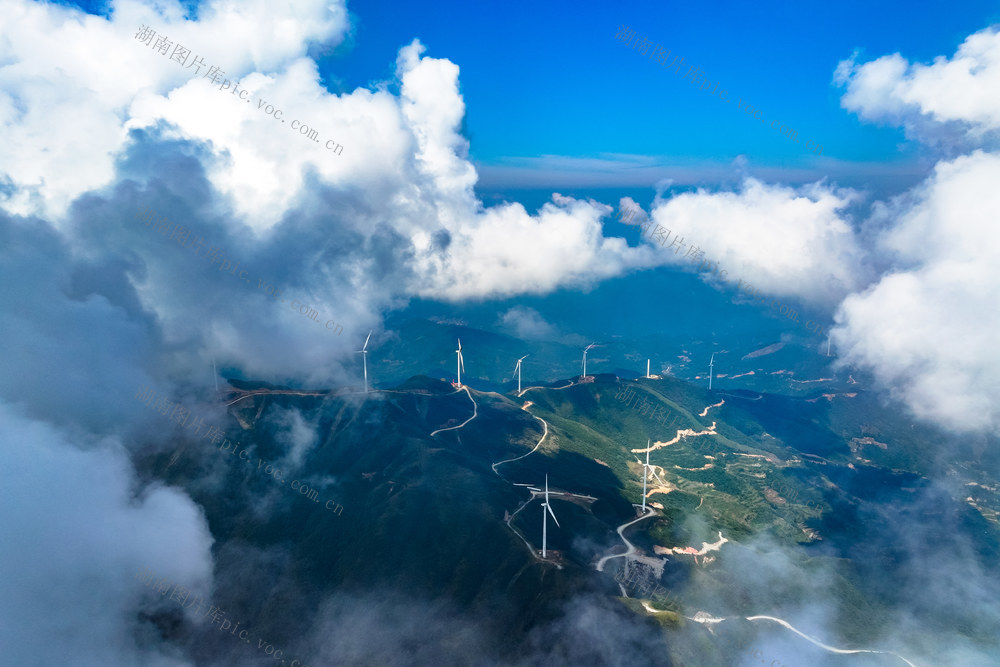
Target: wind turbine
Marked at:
547, 508
828, 339
517, 369
364, 358
646, 471
647, 369
710, 364
585, 358
216, 373
460, 364
645, 474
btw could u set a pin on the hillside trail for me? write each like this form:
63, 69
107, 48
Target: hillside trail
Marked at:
704, 413
288, 392
475, 412
545, 432
621, 533
571, 383
535, 492
821, 644
681, 434
707, 619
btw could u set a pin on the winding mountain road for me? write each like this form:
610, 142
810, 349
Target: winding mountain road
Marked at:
788, 625
475, 412
631, 547
545, 432
571, 383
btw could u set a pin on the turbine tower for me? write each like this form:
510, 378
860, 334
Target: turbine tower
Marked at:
517, 369
645, 474
364, 358
216, 374
546, 508
828, 339
647, 369
585, 358
460, 363
711, 363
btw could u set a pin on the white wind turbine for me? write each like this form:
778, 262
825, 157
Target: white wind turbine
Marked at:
711, 363
646, 471
364, 358
460, 364
547, 508
647, 369
517, 369
645, 474
585, 358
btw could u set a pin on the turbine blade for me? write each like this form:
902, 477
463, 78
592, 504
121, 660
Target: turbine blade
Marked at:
549, 508
365, 346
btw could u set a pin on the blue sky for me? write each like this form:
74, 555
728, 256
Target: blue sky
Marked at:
550, 79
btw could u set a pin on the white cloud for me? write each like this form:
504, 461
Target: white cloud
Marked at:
961, 91
785, 241
928, 328
70, 82
297, 435
528, 324
75, 535
404, 164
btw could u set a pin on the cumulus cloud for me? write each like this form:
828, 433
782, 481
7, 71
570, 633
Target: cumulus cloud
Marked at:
950, 99
786, 241
77, 530
924, 326
83, 339
72, 84
927, 328
527, 323
400, 196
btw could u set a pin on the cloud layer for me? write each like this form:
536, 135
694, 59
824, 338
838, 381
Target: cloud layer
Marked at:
786, 241
78, 528
948, 100
927, 329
